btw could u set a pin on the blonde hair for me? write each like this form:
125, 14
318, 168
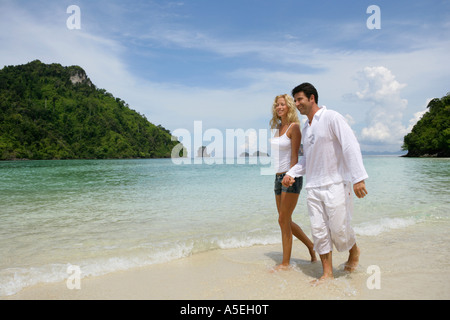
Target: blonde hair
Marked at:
292, 112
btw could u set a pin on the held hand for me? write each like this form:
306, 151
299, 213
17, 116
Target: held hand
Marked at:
288, 181
360, 189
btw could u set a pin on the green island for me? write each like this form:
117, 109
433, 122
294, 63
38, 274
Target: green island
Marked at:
430, 137
48, 111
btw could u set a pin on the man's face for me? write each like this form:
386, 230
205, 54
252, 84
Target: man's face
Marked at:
303, 104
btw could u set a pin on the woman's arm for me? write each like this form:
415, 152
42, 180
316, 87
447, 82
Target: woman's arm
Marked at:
296, 137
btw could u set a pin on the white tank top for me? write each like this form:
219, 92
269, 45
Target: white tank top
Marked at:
281, 152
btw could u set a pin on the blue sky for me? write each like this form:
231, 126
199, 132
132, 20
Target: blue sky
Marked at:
223, 62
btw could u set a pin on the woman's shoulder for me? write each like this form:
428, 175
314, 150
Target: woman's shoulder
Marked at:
294, 126
294, 129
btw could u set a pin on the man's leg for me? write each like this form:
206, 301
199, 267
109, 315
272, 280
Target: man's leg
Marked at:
327, 265
342, 233
353, 259
320, 232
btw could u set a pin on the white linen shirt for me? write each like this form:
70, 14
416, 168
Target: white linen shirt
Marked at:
331, 152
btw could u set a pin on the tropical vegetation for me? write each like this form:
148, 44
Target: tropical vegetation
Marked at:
431, 134
48, 111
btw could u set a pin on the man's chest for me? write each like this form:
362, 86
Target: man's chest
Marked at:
317, 135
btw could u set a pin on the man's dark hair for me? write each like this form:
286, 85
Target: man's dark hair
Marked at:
308, 89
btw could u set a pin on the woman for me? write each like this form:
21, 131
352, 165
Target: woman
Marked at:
285, 146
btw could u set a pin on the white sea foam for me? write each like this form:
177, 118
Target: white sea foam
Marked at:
13, 280
383, 225
247, 241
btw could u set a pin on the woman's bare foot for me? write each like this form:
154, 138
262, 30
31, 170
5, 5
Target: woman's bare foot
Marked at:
280, 267
313, 255
353, 259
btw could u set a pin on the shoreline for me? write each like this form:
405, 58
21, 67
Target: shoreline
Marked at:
245, 274
56, 159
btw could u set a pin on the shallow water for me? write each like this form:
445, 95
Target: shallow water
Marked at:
109, 215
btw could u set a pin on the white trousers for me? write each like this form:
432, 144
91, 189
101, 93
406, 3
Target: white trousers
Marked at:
330, 210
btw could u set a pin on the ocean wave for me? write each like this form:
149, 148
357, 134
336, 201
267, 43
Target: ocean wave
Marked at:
384, 225
13, 280
247, 241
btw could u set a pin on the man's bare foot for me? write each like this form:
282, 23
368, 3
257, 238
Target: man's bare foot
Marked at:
353, 259
322, 279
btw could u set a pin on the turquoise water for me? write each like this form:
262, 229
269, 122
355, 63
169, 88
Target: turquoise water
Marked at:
109, 215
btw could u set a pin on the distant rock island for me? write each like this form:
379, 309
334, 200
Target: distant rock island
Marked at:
48, 111
202, 152
255, 154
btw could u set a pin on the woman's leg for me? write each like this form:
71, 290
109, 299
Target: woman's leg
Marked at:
300, 235
288, 201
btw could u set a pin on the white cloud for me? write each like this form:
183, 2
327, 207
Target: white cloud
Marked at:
378, 85
383, 92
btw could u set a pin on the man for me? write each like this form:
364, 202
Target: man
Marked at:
332, 161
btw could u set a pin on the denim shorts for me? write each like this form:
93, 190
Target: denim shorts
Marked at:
295, 188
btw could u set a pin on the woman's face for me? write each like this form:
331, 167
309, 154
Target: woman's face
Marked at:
281, 108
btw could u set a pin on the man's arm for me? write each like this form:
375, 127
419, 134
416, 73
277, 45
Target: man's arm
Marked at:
299, 169
350, 151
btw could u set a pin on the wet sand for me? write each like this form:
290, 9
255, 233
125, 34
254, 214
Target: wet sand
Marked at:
411, 263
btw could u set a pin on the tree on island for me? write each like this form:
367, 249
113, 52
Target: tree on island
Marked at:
431, 134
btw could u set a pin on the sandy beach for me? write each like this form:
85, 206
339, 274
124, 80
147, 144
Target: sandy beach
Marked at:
409, 268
